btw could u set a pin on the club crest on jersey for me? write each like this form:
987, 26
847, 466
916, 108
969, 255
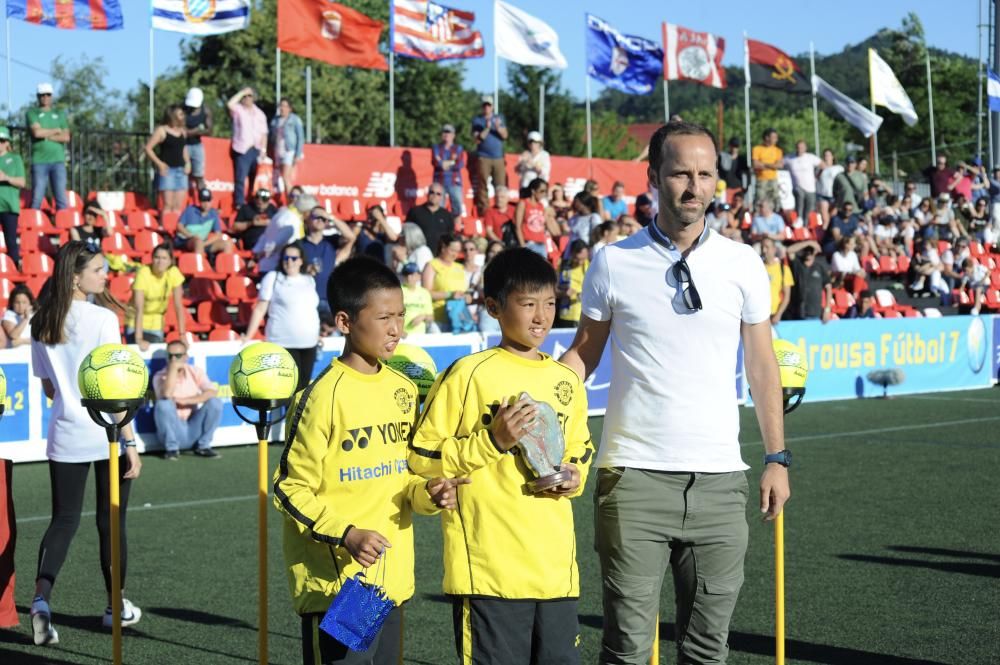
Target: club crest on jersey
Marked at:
404, 400
564, 392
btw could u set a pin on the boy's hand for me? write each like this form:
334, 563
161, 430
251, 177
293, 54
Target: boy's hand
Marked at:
511, 421
442, 493
569, 486
365, 546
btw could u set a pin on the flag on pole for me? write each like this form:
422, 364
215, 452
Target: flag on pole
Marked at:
770, 67
693, 56
627, 63
201, 17
330, 32
525, 39
993, 89
430, 31
69, 14
886, 90
851, 111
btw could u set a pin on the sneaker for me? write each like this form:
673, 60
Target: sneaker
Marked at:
205, 452
172, 455
41, 623
130, 614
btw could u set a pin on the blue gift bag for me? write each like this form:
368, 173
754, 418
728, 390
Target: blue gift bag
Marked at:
358, 611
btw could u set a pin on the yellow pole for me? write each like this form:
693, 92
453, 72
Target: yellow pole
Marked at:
262, 551
116, 554
654, 656
779, 587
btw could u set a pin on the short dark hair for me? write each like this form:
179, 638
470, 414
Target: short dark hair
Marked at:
517, 269
588, 200
768, 132
352, 281
671, 129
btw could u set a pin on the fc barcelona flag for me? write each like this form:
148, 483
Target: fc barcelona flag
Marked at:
770, 67
68, 14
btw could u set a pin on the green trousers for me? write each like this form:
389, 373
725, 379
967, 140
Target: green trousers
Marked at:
693, 522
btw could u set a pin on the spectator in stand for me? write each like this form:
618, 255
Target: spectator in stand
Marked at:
198, 122
850, 185
252, 218
767, 223
88, 231
570, 286
767, 159
803, 168
488, 132
322, 254
373, 238
927, 270
844, 261
411, 247
286, 226
643, 210
16, 320
11, 183
249, 142
288, 141
448, 160
779, 274
433, 219
199, 228
628, 226
288, 296
980, 179
156, 287
940, 176
173, 163
975, 277
946, 224
561, 206
864, 308
614, 205
994, 191
605, 234
473, 261
910, 190
977, 219
500, 214
961, 183
829, 170
188, 409
486, 323
535, 162
593, 188
718, 215
419, 317
444, 277
49, 136
585, 219
531, 219
924, 215
811, 281
733, 170
843, 225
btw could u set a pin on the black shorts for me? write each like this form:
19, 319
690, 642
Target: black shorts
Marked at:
496, 631
318, 648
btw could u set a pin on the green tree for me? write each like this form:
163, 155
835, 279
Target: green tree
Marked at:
519, 102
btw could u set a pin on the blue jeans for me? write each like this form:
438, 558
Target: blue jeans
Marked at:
196, 153
454, 194
244, 166
42, 175
537, 248
195, 432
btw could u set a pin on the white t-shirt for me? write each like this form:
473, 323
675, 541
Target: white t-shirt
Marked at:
12, 316
283, 228
672, 401
803, 170
292, 317
845, 262
72, 435
826, 178
581, 226
421, 256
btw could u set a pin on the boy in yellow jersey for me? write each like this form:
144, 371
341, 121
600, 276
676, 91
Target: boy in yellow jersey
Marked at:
343, 482
510, 555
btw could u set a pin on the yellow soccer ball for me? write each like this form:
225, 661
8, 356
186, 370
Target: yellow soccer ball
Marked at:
416, 364
113, 371
793, 369
263, 371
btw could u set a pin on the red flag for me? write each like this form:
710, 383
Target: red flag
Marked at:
693, 56
770, 67
330, 32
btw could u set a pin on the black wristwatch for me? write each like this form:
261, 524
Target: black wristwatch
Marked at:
782, 457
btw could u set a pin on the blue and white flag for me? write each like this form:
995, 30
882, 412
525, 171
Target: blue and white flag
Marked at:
855, 114
993, 89
201, 17
624, 62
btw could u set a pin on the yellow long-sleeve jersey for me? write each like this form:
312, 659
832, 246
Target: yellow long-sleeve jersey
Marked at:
345, 465
502, 541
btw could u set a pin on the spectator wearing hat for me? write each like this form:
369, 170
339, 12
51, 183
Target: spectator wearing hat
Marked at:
252, 218
49, 136
419, 316
11, 182
448, 160
733, 169
489, 132
286, 226
614, 204
198, 121
199, 228
535, 162
767, 160
249, 141
322, 252
172, 162
288, 140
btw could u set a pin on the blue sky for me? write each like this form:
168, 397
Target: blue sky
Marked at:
788, 24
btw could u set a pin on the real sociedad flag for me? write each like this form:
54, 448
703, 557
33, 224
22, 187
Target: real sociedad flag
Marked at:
624, 62
201, 17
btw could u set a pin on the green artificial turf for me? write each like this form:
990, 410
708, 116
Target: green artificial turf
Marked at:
892, 552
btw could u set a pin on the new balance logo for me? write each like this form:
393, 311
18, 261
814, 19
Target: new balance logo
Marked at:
381, 185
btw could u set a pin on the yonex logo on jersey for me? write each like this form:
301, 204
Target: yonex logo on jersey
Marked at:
358, 437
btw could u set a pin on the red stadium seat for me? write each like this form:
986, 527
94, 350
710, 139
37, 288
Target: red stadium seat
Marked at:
146, 241
902, 264
74, 201
214, 313
240, 290
229, 264
35, 284
3, 244
141, 220
192, 326
8, 269
168, 221
37, 265
29, 220
842, 301
6, 286
68, 218
223, 335
886, 265
121, 287
196, 265
472, 227
201, 289
117, 244
30, 242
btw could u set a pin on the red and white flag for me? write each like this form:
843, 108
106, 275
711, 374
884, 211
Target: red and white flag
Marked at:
693, 56
430, 31
330, 32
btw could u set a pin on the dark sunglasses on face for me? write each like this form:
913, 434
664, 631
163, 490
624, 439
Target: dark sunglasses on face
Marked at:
682, 273
176, 356
289, 257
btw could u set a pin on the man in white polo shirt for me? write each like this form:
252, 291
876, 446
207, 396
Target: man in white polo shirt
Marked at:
675, 301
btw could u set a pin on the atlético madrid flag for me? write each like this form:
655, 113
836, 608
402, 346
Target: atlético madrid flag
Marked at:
330, 32
69, 14
693, 56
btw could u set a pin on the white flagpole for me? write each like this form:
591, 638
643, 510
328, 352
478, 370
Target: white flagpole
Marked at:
590, 150
309, 104
277, 76
871, 98
930, 112
152, 81
392, 99
812, 72
496, 64
746, 112
666, 102
10, 109
541, 110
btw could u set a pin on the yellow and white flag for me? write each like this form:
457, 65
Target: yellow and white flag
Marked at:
886, 90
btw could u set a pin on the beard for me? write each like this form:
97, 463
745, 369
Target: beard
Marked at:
676, 210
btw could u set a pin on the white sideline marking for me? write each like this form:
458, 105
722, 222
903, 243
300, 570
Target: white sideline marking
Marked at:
880, 430
158, 506
957, 399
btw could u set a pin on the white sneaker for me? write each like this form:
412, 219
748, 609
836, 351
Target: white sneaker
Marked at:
130, 614
41, 623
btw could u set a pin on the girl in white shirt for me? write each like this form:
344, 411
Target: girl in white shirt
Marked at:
17, 318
